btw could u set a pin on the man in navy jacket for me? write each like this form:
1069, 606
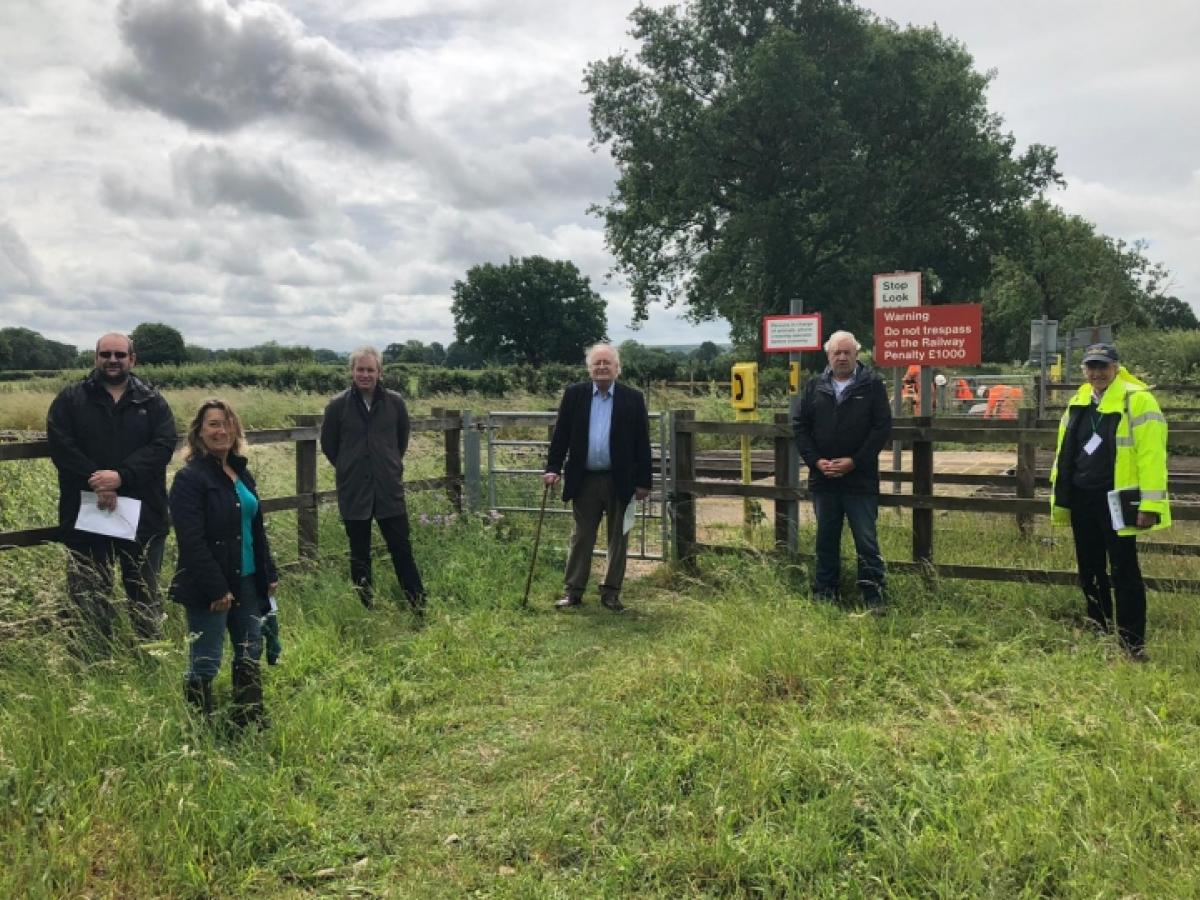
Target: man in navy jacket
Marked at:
113, 434
842, 425
603, 435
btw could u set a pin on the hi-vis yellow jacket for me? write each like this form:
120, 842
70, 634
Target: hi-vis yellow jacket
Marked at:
1141, 451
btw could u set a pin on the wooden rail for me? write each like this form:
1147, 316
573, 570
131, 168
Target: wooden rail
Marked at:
307, 499
923, 434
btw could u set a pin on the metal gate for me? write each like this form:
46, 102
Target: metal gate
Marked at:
515, 465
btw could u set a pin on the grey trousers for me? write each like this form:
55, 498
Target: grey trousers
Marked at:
597, 498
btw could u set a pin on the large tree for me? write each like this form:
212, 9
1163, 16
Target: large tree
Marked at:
532, 310
776, 150
154, 342
1061, 268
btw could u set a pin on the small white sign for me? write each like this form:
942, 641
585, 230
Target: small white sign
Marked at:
791, 334
897, 290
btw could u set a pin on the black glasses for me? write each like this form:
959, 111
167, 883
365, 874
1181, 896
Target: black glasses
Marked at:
112, 354
1096, 364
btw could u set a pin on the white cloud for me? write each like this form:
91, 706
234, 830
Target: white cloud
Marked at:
215, 177
218, 67
19, 271
322, 171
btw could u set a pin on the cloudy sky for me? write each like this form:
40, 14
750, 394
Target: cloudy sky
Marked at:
321, 171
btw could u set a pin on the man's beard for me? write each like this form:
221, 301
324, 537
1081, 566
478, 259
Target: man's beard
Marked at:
120, 378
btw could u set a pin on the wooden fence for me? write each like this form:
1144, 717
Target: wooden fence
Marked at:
923, 434
306, 500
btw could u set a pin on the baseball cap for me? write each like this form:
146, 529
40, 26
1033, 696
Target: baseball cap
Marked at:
1105, 353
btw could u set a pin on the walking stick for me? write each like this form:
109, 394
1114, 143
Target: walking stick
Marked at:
537, 539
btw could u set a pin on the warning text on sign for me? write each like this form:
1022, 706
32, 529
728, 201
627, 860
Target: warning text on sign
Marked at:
929, 335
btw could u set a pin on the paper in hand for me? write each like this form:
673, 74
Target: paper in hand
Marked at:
630, 516
119, 523
1123, 508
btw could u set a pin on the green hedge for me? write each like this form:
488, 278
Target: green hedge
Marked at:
412, 379
1165, 356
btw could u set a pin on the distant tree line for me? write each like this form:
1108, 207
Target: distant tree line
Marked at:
21, 348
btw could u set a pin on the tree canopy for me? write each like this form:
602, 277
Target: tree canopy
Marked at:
22, 348
532, 310
154, 342
777, 149
414, 351
1060, 267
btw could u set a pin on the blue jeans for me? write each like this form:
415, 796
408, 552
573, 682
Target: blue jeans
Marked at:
207, 628
860, 511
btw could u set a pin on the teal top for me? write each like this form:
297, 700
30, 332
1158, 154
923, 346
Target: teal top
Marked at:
249, 511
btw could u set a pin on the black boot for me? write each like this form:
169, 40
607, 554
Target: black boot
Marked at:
198, 693
248, 695
365, 594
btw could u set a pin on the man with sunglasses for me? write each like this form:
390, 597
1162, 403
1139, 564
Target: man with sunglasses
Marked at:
113, 435
1113, 436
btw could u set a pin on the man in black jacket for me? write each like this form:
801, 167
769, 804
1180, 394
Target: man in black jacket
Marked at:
113, 434
603, 434
842, 425
365, 436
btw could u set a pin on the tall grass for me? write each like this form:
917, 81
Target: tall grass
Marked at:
725, 738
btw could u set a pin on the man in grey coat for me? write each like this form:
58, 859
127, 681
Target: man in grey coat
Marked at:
365, 436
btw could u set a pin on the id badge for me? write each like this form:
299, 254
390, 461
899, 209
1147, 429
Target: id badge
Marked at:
1092, 445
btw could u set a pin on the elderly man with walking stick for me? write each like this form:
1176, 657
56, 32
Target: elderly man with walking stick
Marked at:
601, 451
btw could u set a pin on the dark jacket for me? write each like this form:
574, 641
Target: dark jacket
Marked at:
629, 439
858, 426
366, 448
208, 527
135, 437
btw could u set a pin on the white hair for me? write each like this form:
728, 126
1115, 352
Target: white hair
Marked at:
587, 354
838, 336
366, 350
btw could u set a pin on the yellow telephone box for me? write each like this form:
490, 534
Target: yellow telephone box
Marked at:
743, 395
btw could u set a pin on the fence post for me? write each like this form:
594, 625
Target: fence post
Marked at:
1026, 465
787, 512
452, 439
922, 463
683, 460
306, 490
471, 469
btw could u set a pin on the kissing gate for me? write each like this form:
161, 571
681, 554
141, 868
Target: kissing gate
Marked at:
516, 448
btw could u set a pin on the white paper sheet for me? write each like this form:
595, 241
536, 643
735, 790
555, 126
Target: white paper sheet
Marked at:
120, 523
1114, 510
1117, 512
630, 516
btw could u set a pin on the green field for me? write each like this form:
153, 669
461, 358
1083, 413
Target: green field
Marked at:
727, 737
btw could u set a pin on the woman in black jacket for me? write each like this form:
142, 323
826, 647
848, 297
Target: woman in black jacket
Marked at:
225, 574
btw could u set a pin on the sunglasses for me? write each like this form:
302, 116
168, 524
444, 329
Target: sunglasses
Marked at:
112, 354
